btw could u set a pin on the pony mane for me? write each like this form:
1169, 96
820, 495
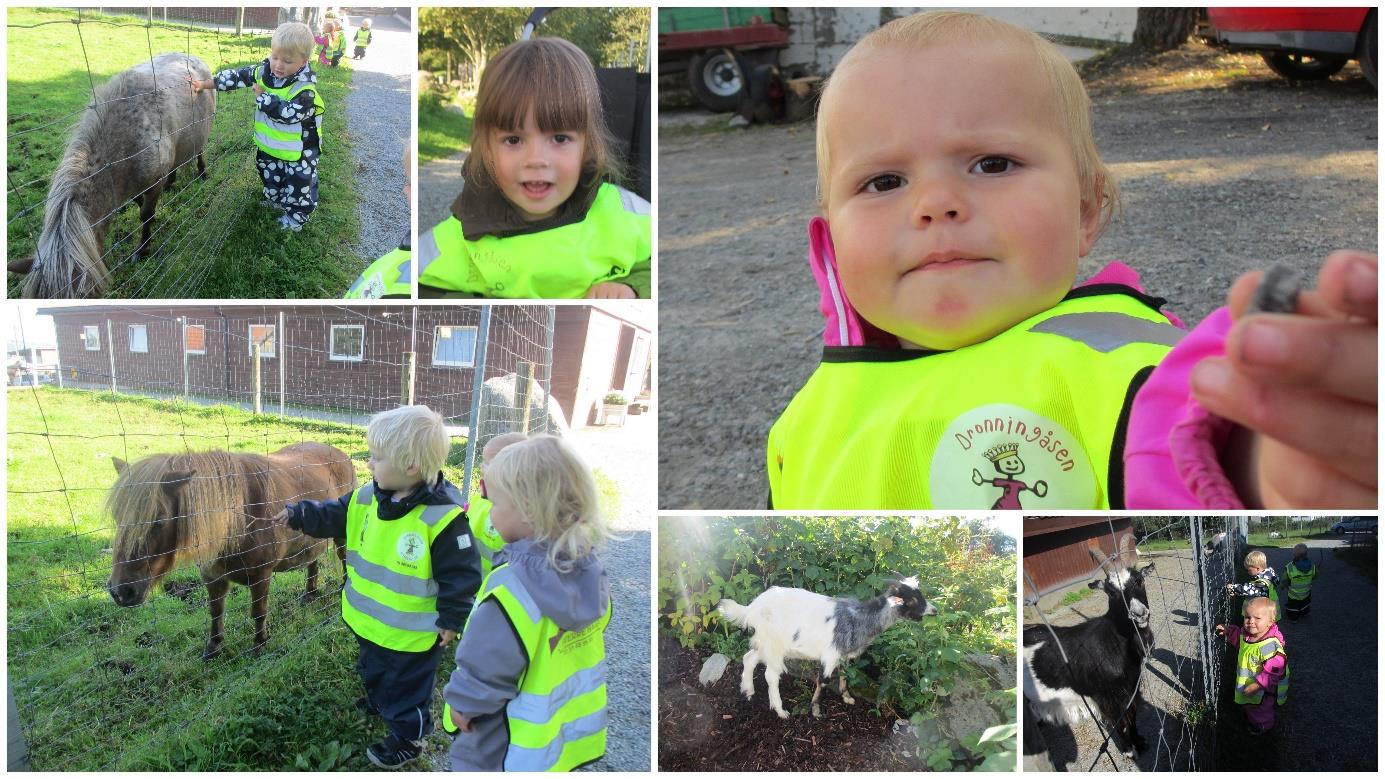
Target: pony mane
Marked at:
213, 503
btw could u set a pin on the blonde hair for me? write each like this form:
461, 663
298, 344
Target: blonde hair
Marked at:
1072, 107
496, 445
410, 437
554, 79
553, 491
1256, 558
1261, 603
293, 37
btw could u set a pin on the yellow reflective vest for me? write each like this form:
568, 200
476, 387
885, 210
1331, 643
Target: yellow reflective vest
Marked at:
387, 277
1300, 582
390, 597
557, 722
563, 262
284, 140
362, 36
488, 541
1250, 658
1033, 418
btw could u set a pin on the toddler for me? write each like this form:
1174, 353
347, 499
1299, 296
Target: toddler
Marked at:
1262, 665
1300, 574
529, 692
322, 40
959, 185
288, 121
336, 47
363, 38
489, 540
1263, 582
537, 216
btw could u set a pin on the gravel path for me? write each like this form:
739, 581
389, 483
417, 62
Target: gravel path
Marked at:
1217, 180
377, 118
438, 184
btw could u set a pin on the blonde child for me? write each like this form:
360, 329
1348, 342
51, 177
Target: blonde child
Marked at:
1300, 574
288, 121
538, 216
412, 572
363, 39
389, 276
336, 47
529, 692
1264, 582
488, 540
959, 185
1262, 664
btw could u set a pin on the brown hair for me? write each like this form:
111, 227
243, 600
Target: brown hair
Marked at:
556, 80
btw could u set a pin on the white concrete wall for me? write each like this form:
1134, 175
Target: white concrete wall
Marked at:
822, 35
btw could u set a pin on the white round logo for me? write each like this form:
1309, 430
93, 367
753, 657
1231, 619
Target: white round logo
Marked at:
1007, 457
410, 547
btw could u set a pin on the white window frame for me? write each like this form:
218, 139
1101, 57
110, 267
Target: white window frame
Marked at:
437, 340
332, 344
130, 331
188, 328
273, 341
90, 333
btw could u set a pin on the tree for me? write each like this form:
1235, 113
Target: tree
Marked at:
474, 33
1163, 29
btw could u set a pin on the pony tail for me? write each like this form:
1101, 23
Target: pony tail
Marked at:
69, 256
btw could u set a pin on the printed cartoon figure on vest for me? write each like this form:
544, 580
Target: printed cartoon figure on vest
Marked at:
1006, 459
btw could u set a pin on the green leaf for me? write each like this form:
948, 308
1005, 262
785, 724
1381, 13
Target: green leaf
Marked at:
999, 733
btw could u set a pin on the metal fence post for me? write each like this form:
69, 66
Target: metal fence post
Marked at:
110, 349
283, 347
548, 365
477, 382
16, 751
183, 321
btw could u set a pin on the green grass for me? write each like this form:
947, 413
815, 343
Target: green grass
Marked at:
442, 133
101, 687
211, 238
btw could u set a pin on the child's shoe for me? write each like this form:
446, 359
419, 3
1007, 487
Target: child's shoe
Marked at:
364, 706
287, 222
394, 752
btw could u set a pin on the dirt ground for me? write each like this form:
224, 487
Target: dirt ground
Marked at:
715, 728
1224, 167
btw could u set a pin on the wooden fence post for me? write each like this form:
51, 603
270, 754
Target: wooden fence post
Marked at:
255, 376
110, 349
526, 391
406, 380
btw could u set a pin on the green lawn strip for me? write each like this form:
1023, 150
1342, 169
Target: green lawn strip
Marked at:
210, 237
442, 133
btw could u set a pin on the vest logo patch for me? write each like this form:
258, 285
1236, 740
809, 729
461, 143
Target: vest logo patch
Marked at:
1003, 456
410, 547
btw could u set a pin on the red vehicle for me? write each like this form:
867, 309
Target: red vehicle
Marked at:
1306, 44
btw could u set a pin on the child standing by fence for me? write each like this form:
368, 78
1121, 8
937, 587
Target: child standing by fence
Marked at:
529, 692
488, 539
1300, 574
412, 572
1262, 664
1264, 582
288, 121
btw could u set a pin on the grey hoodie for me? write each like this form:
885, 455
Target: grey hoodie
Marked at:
490, 658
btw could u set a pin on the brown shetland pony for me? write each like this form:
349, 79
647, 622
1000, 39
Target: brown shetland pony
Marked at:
213, 509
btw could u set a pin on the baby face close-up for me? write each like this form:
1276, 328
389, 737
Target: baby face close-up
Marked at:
952, 192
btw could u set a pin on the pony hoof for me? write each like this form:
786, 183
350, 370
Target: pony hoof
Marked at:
211, 651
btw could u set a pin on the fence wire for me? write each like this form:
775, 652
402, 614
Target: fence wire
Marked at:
194, 218
184, 379
1183, 669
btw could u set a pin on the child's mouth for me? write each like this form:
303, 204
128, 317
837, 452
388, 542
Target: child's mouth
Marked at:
938, 261
537, 190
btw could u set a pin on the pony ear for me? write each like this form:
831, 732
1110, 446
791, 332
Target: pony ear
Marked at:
120, 465
174, 481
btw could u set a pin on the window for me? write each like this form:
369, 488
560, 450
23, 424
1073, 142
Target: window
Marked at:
264, 336
139, 339
348, 343
91, 336
454, 346
195, 339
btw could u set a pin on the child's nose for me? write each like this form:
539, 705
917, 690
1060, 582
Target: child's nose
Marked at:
939, 200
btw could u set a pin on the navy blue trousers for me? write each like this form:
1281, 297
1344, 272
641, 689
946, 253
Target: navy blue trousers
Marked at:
400, 685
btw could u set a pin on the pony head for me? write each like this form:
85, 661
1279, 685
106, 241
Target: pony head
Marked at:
148, 504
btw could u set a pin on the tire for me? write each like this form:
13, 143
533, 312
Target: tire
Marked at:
1302, 67
767, 95
1366, 50
716, 80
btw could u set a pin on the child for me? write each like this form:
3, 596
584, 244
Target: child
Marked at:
1262, 665
959, 184
1300, 574
288, 121
529, 692
389, 276
537, 216
322, 39
412, 572
363, 38
1263, 582
337, 46
489, 540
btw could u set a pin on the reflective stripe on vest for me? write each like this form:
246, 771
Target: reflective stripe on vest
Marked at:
388, 275
279, 139
563, 262
361, 34
1301, 582
1026, 419
390, 597
1250, 658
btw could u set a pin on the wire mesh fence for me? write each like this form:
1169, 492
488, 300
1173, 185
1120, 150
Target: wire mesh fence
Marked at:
1182, 672
122, 182
249, 381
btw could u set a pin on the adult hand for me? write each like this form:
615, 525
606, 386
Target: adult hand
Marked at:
1305, 385
611, 290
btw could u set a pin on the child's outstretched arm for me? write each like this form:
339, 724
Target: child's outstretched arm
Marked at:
1302, 387
316, 518
230, 79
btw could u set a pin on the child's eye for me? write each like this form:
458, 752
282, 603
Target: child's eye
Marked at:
510, 140
884, 183
994, 165
562, 138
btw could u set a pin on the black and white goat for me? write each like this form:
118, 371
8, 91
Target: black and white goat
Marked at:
794, 623
1100, 659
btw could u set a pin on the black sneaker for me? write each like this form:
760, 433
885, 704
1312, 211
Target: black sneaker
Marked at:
394, 752
364, 706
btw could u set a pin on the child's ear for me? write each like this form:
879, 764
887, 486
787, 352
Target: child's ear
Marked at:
1090, 223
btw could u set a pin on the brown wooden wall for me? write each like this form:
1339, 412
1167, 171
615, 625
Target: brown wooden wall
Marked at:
1055, 548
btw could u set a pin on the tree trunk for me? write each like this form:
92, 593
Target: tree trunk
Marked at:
1162, 29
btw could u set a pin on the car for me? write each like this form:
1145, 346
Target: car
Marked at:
1303, 44
1356, 525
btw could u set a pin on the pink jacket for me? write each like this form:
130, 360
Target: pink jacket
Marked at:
1273, 670
1172, 443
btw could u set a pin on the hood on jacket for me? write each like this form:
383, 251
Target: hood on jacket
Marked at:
483, 210
442, 492
1303, 564
574, 599
306, 74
